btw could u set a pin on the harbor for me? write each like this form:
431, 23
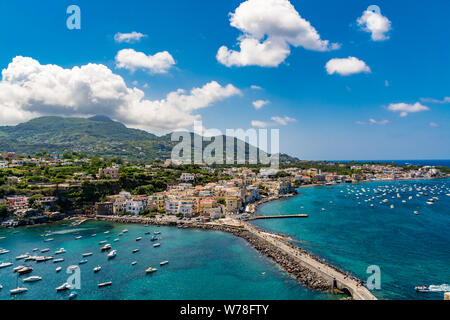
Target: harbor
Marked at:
304, 267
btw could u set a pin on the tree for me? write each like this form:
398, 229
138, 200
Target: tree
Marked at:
3, 212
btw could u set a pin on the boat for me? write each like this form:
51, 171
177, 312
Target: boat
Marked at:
24, 270
102, 242
93, 235
73, 295
156, 245
97, 269
135, 250
117, 239
153, 238
5, 264
422, 288
112, 254
78, 238
49, 239
106, 232
106, 247
83, 261
63, 287
45, 250
139, 239
133, 263
22, 256
32, 279
35, 249
151, 270
15, 269
157, 232
4, 251
18, 290
87, 254
58, 269
105, 284
125, 230
60, 251
57, 260
163, 263
416, 212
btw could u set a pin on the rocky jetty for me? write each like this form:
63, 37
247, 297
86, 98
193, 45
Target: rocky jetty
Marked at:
302, 274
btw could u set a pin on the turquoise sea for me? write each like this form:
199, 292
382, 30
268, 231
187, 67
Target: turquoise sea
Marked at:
202, 265
410, 249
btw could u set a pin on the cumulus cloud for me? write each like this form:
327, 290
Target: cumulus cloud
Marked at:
346, 66
269, 28
29, 89
405, 108
132, 60
276, 120
128, 37
258, 104
376, 24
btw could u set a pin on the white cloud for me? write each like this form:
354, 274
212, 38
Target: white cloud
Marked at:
260, 124
29, 89
405, 108
269, 28
132, 60
386, 83
434, 124
376, 24
431, 100
346, 66
382, 122
255, 87
258, 104
283, 120
128, 37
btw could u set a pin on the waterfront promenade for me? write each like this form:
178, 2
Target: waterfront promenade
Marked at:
306, 268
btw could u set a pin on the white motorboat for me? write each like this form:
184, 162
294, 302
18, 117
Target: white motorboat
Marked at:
32, 279
63, 287
18, 290
112, 254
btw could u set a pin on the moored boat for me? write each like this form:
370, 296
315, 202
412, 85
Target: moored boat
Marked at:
32, 279
18, 290
97, 269
105, 284
150, 270
63, 287
112, 254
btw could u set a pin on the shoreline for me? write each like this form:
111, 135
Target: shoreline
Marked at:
306, 268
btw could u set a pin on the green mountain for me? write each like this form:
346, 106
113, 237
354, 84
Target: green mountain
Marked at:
98, 135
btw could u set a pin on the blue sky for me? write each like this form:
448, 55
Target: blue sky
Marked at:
332, 112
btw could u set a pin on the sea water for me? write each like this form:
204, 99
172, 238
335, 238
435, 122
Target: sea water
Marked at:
202, 264
409, 249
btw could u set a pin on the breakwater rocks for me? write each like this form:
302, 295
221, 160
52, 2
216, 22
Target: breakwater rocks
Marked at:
302, 274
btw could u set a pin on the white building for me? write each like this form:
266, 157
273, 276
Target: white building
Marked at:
3, 164
187, 177
135, 206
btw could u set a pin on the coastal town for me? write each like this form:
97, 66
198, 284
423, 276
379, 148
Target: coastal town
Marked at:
38, 189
